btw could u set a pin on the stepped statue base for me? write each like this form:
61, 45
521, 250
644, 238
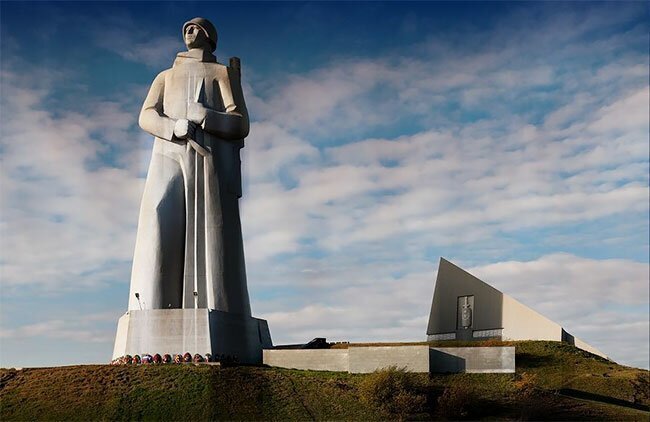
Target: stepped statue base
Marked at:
202, 331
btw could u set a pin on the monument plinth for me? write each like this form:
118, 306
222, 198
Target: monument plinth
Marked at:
202, 331
188, 283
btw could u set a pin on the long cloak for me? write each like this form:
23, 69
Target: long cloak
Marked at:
189, 250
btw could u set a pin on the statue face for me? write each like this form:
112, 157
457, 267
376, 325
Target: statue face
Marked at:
195, 37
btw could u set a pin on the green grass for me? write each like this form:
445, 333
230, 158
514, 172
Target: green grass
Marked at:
561, 366
178, 392
204, 392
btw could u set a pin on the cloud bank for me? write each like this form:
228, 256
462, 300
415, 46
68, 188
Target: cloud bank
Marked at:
520, 155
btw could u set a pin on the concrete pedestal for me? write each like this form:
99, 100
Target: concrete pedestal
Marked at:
192, 330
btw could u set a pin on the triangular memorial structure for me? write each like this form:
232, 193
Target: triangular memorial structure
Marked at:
466, 308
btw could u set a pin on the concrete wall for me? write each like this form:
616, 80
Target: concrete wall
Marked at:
361, 360
164, 331
495, 314
356, 360
312, 359
452, 282
589, 348
472, 359
238, 335
119, 349
265, 333
368, 359
522, 323
191, 330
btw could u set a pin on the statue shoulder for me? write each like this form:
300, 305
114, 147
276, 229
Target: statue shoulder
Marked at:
218, 65
218, 68
160, 78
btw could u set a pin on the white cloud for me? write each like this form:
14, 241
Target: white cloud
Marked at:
127, 37
436, 181
583, 158
629, 113
81, 329
269, 148
66, 215
549, 278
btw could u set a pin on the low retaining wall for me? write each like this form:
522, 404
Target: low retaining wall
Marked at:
364, 360
472, 359
414, 358
314, 359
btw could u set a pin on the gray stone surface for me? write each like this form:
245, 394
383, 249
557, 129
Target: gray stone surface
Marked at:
489, 313
188, 282
368, 359
472, 359
453, 282
308, 359
359, 360
239, 335
192, 330
189, 251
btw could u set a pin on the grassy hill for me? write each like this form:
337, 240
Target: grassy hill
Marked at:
553, 381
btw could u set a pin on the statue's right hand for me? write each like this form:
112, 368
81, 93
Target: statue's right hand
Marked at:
184, 129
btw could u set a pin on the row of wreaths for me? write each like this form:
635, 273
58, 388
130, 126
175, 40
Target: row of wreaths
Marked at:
167, 358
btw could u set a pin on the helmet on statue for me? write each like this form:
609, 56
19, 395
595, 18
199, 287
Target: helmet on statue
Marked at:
207, 27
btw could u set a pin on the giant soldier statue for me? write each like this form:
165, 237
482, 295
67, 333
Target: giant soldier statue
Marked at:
189, 252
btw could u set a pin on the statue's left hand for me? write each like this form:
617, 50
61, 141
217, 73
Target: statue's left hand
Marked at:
196, 112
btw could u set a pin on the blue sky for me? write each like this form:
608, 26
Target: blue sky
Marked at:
509, 138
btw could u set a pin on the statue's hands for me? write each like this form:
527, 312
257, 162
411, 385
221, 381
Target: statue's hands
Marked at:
184, 129
196, 112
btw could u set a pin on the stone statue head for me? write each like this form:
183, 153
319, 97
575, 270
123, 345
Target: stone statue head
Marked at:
200, 33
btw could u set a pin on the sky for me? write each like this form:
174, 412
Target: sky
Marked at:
508, 138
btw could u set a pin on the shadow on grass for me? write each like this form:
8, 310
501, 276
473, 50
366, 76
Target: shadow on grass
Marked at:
529, 360
7, 376
577, 394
